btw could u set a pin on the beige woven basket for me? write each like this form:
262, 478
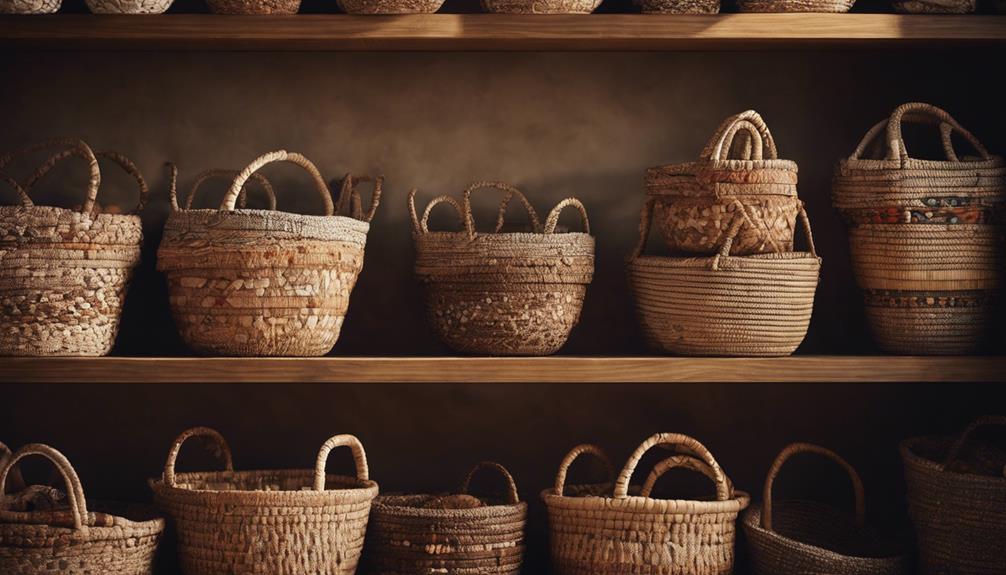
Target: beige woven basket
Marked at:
449, 535
697, 202
679, 6
254, 7
957, 502
540, 6
795, 5
262, 282
76, 539
799, 537
503, 293
280, 522
390, 6
129, 6
64, 272
30, 6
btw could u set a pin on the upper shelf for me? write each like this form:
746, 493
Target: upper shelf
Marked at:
497, 32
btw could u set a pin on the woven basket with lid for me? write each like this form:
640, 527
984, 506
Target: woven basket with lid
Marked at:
540, 6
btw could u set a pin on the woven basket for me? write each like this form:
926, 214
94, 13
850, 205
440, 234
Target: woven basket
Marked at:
280, 522
799, 537
263, 282
957, 502
390, 6
129, 6
680, 6
540, 6
795, 5
696, 202
503, 293
935, 6
254, 7
64, 272
925, 242
756, 305
79, 539
594, 534
449, 535
30, 6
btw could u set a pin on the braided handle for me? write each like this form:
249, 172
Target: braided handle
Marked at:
896, 141
576, 452
84, 152
493, 466
21, 194
511, 191
749, 122
359, 457
221, 450
74, 490
645, 220
741, 217
230, 199
210, 174
16, 481
984, 421
553, 217
682, 444
683, 462
348, 194
123, 162
421, 225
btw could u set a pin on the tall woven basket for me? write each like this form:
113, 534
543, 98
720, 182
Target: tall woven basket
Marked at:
957, 502
541, 6
799, 537
503, 293
281, 522
75, 537
264, 282
449, 535
64, 272
594, 534
924, 237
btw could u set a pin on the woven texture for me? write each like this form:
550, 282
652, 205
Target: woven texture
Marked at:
263, 282
503, 293
935, 6
540, 6
254, 6
280, 522
680, 6
29, 6
390, 6
129, 6
795, 5
957, 502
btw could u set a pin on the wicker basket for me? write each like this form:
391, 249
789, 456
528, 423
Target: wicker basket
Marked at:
697, 202
449, 535
30, 6
254, 7
680, 6
129, 6
795, 5
957, 502
503, 293
390, 6
935, 6
540, 6
64, 272
280, 522
77, 539
926, 246
593, 534
262, 282
799, 537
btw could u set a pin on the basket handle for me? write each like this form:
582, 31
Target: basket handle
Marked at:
125, 163
421, 225
576, 452
351, 196
741, 217
230, 199
15, 480
553, 217
222, 450
493, 466
896, 142
685, 462
74, 490
749, 122
984, 421
795, 448
229, 174
645, 219
84, 152
511, 191
359, 457
682, 443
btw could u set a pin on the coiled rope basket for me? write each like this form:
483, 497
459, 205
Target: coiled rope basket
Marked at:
924, 237
540, 6
503, 293
390, 6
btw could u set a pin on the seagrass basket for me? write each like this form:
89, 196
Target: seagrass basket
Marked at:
696, 202
795, 5
129, 6
540, 6
280, 522
264, 282
75, 538
680, 6
503, 293
924, 236
957, 502
390, 6
757, 305
254, 7
30, 6
449, 535
798, 537
64, 272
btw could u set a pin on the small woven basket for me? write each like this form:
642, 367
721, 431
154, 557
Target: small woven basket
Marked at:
680, 6
129, 6
593, 534
449, 535
795, 5
799, 537
390, 6
30, 6
263, 282
280, 522
503, 293
697, 202
78, 539
254, 7
957, 502
924, 237
935, 6
540, 6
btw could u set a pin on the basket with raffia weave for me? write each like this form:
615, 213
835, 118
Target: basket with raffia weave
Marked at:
540, 6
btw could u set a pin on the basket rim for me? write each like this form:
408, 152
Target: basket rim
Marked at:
263, 214
363, 490
154, 525
909, 456
381, 505
775, 258
695, 166
646, 505
898, 165
502, 237
8, 210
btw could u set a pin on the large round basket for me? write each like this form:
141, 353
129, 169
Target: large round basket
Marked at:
824, 6
449, 535
263, 282
926, 247
540, 6
594, 534
281, 522
697, 202
390, 6
75, 539
800, 537
64, 272
503, 293
957, 502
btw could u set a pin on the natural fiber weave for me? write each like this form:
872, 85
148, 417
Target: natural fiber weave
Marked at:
935, 6
799, 537
79, 540
129, 6
254, 6
229, 175
390, 6
15, 482
680, 6
280, 522
540, 6
262, 282
503, 293
63, 272
795, 5
29, 6
957, 502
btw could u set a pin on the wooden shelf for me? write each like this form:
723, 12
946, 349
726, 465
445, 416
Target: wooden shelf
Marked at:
484, 369
496, 32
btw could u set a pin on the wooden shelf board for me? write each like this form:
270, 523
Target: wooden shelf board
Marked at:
485, 369
495, 32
